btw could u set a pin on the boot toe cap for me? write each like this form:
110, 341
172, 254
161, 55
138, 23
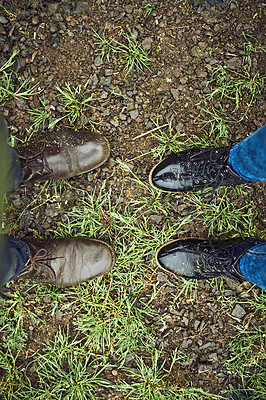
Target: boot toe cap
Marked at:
179, 257
95, 152
82, 260
178, 262
170, 175
101, 259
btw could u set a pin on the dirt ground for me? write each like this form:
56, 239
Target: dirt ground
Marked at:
183, 39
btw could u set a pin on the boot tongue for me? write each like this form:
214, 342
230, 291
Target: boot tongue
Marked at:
40, 258
234, 254
35, 245
33, 165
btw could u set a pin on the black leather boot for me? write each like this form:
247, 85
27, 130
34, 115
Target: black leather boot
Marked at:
195, 169
203, 259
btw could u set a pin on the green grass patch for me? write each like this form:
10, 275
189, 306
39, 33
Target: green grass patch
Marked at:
172, 141
65, 369
76, 101
251, 46
13, 85
233, 85
126, 51
247, 359
149, 381
221, 214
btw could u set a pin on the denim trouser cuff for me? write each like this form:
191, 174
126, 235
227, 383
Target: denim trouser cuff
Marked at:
248, 158
253, 265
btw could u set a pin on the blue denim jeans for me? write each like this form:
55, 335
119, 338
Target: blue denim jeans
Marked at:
253, 265
248, 158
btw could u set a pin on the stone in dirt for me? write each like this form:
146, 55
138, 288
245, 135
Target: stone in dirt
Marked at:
133, 114
146, 43
238, 311
204, 368
161, 277
3, 20
175, 93
156, 218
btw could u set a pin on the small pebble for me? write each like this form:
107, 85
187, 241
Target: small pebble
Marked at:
133, 114
238, 311
162, 277
59, 315
3, 20
97, 61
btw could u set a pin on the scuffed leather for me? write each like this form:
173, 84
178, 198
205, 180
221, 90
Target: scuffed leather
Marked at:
66, 154
73, 261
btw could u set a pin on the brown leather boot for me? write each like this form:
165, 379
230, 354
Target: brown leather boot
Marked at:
62, 154
67, 262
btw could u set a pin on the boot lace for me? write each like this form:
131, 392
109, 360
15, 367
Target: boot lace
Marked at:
40, 262
220, 258
211, 172
35, 162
